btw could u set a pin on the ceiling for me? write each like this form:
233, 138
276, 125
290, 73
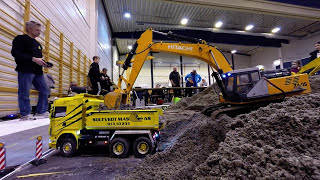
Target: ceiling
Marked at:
312, 3
164, 15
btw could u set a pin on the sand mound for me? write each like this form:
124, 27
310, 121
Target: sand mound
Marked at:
186, 144
279, 141
315, 84
198, 101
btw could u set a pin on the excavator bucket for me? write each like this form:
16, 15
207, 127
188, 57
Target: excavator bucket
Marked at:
113, 99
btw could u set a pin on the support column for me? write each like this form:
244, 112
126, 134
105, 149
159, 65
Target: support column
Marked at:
151, 66
209, 75
71, 63
26, 16
46, 43
181, 71
60, 65
232, 58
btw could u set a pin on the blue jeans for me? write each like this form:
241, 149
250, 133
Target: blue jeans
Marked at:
25, 81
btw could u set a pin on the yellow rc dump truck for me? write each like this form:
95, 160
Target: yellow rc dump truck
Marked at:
76, 122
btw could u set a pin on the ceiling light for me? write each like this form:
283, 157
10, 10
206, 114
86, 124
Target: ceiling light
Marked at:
275, 30
277, 62
184, 21
260, 67
130, 47
218, 24
127, 15
233, 51
249, 27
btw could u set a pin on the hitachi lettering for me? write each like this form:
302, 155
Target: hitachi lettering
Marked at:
104, 119
184, 48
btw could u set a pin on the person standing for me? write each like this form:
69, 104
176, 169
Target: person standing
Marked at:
295, 66
315, 54
203, 83
174, 78
27, 52
105, 80
95, 76
192, 80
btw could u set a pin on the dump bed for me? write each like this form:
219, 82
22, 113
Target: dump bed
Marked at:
123, 119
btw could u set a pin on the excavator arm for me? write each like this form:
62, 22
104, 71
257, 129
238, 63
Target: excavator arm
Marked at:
314, 66
198, 49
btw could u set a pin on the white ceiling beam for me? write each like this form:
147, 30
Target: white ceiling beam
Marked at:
258, 6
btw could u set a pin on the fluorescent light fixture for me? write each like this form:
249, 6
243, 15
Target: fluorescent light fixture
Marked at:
127, 15
260, 66
184, 21
130, 47
249, 27
233, 51
275, 30
218, 24
276, 62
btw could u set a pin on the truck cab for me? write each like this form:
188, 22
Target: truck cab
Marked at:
251, 84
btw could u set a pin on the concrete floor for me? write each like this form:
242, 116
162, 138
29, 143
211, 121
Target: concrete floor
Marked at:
21, 146
93, 163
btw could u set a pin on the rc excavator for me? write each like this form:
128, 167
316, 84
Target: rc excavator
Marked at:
240, 89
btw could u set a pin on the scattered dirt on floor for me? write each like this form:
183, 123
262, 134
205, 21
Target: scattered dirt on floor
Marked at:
279, 141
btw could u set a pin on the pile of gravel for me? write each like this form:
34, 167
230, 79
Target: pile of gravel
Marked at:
279, 141
198, 101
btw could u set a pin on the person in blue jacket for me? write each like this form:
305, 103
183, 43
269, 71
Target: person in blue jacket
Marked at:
192, 80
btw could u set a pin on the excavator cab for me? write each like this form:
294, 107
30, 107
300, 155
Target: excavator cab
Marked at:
240, 83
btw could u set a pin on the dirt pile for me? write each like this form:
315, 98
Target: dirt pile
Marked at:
280, 141
315, 84
198, 101
188, 139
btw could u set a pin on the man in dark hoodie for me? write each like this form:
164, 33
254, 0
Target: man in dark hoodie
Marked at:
27, 52
94, 75
315, 54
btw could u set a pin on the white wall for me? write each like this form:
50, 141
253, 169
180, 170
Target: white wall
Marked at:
295, 50
70, 17
265, 56
299, 49
240, 61
104, 46
115, 68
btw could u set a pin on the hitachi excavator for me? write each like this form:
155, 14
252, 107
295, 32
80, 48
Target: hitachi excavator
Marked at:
239, 89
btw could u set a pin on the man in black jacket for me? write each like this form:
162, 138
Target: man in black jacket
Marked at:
174, 78
315, 54
27, 52
105, 81
94, 75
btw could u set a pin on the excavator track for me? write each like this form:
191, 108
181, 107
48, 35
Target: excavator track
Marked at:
217, 110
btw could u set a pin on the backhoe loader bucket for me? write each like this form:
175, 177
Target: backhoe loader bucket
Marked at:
113, 99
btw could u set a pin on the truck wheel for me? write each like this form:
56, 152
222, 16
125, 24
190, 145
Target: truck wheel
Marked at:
141, 147
68, 147
119, 147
